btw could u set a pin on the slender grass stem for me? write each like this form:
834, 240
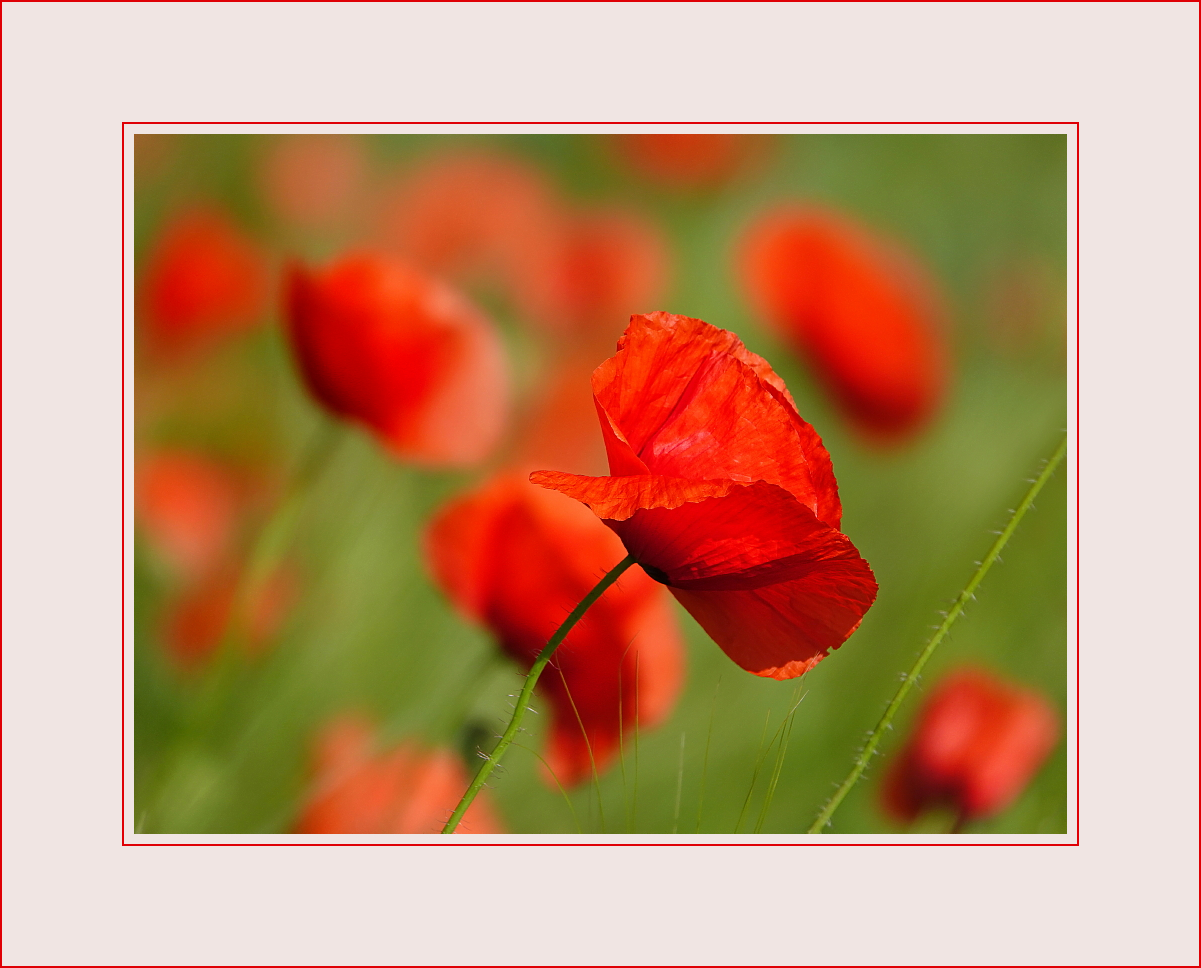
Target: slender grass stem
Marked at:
965, 596
600, 808
759, 758
785, 733
527, 691
700, 800
675, 822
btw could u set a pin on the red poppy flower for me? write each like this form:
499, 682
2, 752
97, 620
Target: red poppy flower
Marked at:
188, 508
723, 493
359, 789
861, 315
380, 343
977, 743
690, 160
468, 215
203, 279
518, 559
592, 272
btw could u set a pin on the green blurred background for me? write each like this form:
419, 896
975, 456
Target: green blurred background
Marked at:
224, 748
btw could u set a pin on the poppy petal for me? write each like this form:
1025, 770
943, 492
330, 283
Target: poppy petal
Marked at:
691, 388
782, 631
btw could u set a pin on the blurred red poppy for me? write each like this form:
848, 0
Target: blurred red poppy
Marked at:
408, 789
977, 743
468, 215
312, 180
559, 429
383, 344
723, 493
196, 621
188, 508
203, 279
518, 559
596, 268
690, 160
863, 316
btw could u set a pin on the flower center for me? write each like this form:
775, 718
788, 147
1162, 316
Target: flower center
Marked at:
659, 575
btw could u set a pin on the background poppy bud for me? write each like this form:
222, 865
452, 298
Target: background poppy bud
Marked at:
204, 279
690, 161
188, 510
977, 743
467, 215
728, 496
313, 180
200, 617
519, 559
384, 345
859, 314
595, 268
407, 789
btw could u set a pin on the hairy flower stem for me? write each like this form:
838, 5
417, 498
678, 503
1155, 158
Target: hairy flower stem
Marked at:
527, 691
965, 596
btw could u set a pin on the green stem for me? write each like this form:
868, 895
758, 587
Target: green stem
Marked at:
272, 539
527, 691
873, 738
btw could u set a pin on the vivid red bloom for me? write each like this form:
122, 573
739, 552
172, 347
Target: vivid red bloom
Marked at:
723, 493
863, 317
203, 279
312, 180
188, 508
690, 160
595, 269
407, 789
468, 215
518, 559
383, 344
977, 743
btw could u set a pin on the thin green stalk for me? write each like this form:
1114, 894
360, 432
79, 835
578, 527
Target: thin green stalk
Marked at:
272, 540
570, 806
600, 807
675, 823
781, 752
700, 800
762, 755
965, 596
527, 691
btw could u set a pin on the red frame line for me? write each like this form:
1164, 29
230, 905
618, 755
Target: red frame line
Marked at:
451, 842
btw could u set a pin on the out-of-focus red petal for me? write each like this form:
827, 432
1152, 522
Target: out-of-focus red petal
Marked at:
380, 343
691, 401
560, 428
863, 316
520, 559
312, 180
691, 160
188, 507
203, 279
472, 216
404, 790
597, 267
977, 742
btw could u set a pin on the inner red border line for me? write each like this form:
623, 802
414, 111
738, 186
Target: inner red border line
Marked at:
822, 840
